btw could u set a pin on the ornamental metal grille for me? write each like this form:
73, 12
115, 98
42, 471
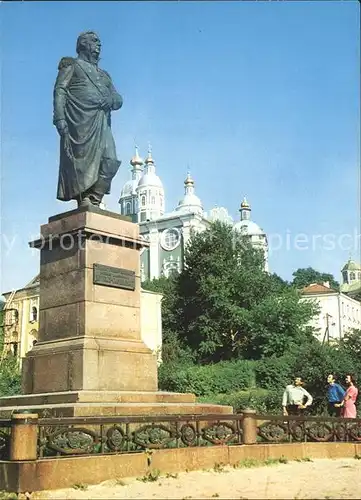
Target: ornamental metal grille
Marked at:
87, 436
5, 429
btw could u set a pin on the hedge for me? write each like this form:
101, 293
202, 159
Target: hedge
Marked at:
261, 400
221, 378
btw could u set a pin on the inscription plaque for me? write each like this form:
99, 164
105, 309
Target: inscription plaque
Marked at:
113, 276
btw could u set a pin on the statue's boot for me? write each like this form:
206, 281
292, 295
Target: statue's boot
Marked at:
107, 171
94, 195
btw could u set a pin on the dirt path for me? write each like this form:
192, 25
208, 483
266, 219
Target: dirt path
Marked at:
319, 479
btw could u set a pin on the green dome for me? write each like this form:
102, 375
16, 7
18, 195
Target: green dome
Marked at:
351, 265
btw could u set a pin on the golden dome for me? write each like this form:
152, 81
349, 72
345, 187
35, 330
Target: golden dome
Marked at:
245, 204
136, 160
189, 181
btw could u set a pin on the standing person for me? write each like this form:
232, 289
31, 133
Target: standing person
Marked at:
293, 401
349, 400
335, 395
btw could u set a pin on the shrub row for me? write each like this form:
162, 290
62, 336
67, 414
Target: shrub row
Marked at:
221, 378
261, 400
235, 382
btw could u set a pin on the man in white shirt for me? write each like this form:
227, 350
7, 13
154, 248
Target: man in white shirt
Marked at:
293, 401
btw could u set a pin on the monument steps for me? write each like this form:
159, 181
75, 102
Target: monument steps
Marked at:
85, 396
116, 409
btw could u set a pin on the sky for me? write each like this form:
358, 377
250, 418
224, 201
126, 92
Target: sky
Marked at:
257, 99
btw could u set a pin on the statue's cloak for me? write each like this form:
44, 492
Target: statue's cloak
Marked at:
79, 89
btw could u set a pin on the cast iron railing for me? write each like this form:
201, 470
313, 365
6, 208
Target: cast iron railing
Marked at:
5, 429
278, 429
74, 436
103, 435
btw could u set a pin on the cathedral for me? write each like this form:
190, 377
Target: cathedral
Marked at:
142, 199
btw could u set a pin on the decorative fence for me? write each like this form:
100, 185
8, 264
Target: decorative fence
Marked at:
79, 436
25, 437
276, 429
5, 430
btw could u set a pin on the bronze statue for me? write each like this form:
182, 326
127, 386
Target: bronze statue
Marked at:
84, 97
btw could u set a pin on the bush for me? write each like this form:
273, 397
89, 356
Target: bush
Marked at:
220, 378
261, 400
10, 383
274, 373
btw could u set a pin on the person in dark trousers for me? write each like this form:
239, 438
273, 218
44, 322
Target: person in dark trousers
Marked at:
295, 398
335, 395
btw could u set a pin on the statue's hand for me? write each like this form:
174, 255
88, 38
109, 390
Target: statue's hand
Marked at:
62, 127
106, 103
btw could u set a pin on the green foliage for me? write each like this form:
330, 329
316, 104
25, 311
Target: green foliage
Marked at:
224, 305
228, 326
305, 276
278, 322
351, 343
261, 400
6, 495
9, 369
274, 372
2, 315
220, 378
80, 486
150, 477
10, 383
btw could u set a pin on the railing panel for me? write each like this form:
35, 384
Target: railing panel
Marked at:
282, 429
97, 435
5, 430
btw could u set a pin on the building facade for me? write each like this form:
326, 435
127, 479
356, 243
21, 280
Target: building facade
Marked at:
338, 312
142, 199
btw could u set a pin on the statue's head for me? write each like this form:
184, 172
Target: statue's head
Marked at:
89, 43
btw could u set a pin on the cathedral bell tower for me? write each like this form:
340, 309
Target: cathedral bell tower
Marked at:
128, 197
150, 192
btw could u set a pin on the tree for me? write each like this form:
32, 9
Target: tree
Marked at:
2, 317
228, 306
351, 343
9, 367
306, 276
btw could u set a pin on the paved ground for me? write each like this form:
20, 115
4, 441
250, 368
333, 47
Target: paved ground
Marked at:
318, 479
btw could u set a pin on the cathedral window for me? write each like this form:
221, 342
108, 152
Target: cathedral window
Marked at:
170, 239
352, 276
142, 200
128, 208
153, 200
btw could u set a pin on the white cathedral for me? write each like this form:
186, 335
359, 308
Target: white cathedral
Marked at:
142, 199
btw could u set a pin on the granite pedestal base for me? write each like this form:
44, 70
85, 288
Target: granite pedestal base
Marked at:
89, 335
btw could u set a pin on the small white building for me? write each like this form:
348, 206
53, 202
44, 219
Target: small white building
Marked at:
338, 314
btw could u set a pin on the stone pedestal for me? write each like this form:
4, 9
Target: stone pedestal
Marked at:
89, 315
90, 359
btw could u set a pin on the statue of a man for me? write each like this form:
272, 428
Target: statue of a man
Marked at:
84, 97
